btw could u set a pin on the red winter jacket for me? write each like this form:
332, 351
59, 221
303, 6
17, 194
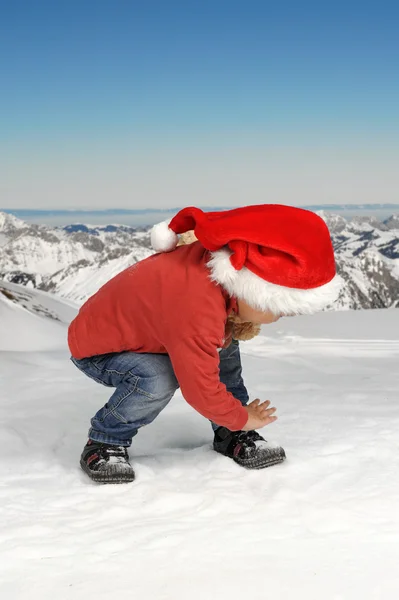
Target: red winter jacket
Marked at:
166, 304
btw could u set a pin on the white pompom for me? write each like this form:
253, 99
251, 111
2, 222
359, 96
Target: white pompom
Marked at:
163, 239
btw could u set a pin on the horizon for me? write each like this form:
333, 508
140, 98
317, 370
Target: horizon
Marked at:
224, 103
150, 216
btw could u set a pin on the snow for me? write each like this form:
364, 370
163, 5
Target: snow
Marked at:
79, 284
17, 322
39, 316
8, 221
32, 254
324, 525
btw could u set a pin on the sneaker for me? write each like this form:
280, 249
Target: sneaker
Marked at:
105, 463
247, 448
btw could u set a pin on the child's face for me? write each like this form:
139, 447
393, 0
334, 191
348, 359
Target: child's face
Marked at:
247, 313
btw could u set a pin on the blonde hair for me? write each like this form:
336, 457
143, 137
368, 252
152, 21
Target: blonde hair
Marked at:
187, 238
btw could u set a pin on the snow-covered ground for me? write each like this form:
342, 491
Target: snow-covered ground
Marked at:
322, 526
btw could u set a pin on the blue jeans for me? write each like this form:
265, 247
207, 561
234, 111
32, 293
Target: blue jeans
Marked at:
145, 383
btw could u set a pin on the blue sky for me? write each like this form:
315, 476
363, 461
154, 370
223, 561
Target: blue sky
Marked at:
164, 103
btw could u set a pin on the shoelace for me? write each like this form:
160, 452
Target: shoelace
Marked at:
115, 451
246, 442
249, 437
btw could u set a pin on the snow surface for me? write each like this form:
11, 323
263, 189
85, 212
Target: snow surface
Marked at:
30, 319
194, 525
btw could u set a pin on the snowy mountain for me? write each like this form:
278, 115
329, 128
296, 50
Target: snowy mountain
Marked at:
31, 319
392, 222
367, 256
323, 525
74, 261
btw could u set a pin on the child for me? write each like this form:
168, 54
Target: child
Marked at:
166, 322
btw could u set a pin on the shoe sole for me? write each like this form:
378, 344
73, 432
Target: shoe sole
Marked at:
274, 456
101, 478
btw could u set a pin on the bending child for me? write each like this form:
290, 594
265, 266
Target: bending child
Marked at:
168, 322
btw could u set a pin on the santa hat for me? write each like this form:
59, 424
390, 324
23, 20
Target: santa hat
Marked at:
274, 257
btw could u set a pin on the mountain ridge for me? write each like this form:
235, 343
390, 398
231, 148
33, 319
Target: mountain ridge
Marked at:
73, 261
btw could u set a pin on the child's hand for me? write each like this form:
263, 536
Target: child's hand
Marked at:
259, 415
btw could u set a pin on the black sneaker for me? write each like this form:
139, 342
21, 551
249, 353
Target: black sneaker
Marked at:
105, 463
247, 448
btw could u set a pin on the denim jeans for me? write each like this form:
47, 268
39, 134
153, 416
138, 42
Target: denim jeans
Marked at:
145, 383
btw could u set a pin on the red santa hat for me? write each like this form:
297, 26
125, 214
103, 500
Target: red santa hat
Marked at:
274, 257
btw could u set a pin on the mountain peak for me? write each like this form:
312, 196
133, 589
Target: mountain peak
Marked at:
392, 222
9, 222
335, 223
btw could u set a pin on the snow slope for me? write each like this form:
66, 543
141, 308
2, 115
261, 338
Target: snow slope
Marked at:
79, 283
32, 320
322, 526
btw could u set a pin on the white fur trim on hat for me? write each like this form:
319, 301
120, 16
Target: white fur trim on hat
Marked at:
263, 295
163, 239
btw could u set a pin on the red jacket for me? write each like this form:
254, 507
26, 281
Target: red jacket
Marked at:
166, 304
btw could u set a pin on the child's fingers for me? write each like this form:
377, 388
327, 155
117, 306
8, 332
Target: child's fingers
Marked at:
262, 412
258, 404
265, 410
271, 420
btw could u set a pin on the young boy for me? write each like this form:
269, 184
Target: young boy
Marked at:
165, 323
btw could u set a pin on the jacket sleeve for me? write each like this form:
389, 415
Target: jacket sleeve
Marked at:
195, 361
